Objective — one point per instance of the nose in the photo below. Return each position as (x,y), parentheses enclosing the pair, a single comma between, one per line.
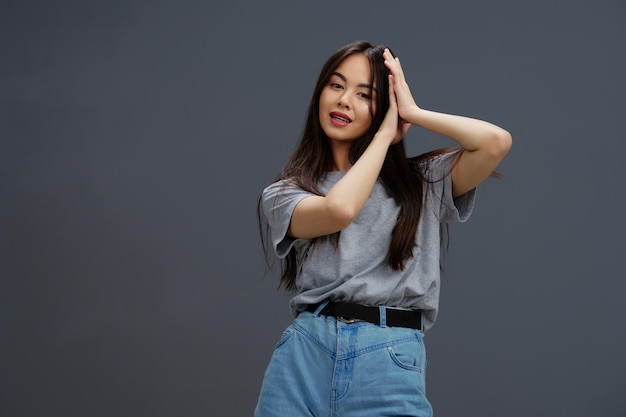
(344,101)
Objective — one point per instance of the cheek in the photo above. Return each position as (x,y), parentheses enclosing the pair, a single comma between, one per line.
(325,100)
(366,113)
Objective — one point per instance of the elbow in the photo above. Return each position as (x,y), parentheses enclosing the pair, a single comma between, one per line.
(500,144)
(341,215)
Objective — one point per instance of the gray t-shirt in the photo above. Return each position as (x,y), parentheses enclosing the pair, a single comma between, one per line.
(357,270)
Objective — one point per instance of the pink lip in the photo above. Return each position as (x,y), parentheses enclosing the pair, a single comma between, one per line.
(340,119)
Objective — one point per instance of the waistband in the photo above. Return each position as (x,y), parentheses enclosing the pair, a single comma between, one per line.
(382,316)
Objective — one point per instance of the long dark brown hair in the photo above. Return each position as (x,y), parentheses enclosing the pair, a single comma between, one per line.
(312,158)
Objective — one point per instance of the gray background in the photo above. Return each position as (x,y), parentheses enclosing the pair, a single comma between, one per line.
(137,135)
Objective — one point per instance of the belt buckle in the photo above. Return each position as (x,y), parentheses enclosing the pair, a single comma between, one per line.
(345,320)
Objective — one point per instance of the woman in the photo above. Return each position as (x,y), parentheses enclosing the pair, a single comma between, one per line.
(358,226)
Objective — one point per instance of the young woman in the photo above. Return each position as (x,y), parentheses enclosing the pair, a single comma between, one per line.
(358,226)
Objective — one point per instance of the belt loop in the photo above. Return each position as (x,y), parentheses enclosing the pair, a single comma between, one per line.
(383,316)
(422,320)
(320,307)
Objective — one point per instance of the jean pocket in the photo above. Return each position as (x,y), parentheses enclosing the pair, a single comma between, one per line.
(289,331)
(408,355)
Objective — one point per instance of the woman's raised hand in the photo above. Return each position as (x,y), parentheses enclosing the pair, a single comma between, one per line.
(484,144)
(405,102)
(392,125)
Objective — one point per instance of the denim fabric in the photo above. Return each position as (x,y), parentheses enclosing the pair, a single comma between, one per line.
(324,367)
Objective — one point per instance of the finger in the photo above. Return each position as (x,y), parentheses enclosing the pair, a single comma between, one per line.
(389,60)
(396,84)
(392,92)
(398,68)
(405,128)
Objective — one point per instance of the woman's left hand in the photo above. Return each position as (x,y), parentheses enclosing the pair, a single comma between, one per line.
(484,144)
(393,126)
(404,98)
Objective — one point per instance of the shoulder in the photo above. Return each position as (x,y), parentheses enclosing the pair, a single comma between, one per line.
(282,194)
(274,187)
(280,186)
(277,189)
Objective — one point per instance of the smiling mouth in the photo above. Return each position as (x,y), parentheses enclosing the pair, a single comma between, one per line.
(341,118)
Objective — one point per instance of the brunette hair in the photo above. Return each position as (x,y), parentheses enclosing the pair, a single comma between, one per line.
(402,177)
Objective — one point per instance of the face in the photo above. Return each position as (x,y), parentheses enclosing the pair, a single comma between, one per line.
(345,101)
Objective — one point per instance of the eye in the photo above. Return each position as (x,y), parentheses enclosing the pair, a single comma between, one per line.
(364,96)
(336,86)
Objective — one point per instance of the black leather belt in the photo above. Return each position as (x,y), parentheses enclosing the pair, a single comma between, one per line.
(348,313)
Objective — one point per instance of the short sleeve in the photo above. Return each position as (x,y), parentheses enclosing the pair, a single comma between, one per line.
(451,210)
(278,201)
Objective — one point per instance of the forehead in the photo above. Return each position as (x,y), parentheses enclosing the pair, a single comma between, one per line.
(356,69)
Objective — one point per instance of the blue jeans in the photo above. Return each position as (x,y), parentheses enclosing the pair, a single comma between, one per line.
(325,367)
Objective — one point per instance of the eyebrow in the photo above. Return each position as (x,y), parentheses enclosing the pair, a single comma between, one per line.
(343,77)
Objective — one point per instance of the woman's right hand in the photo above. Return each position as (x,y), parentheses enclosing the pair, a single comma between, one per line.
(404,99)
(392,126)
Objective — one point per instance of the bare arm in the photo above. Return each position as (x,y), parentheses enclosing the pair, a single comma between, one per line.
(484,144)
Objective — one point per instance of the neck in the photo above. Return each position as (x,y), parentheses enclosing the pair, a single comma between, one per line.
(341,156)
